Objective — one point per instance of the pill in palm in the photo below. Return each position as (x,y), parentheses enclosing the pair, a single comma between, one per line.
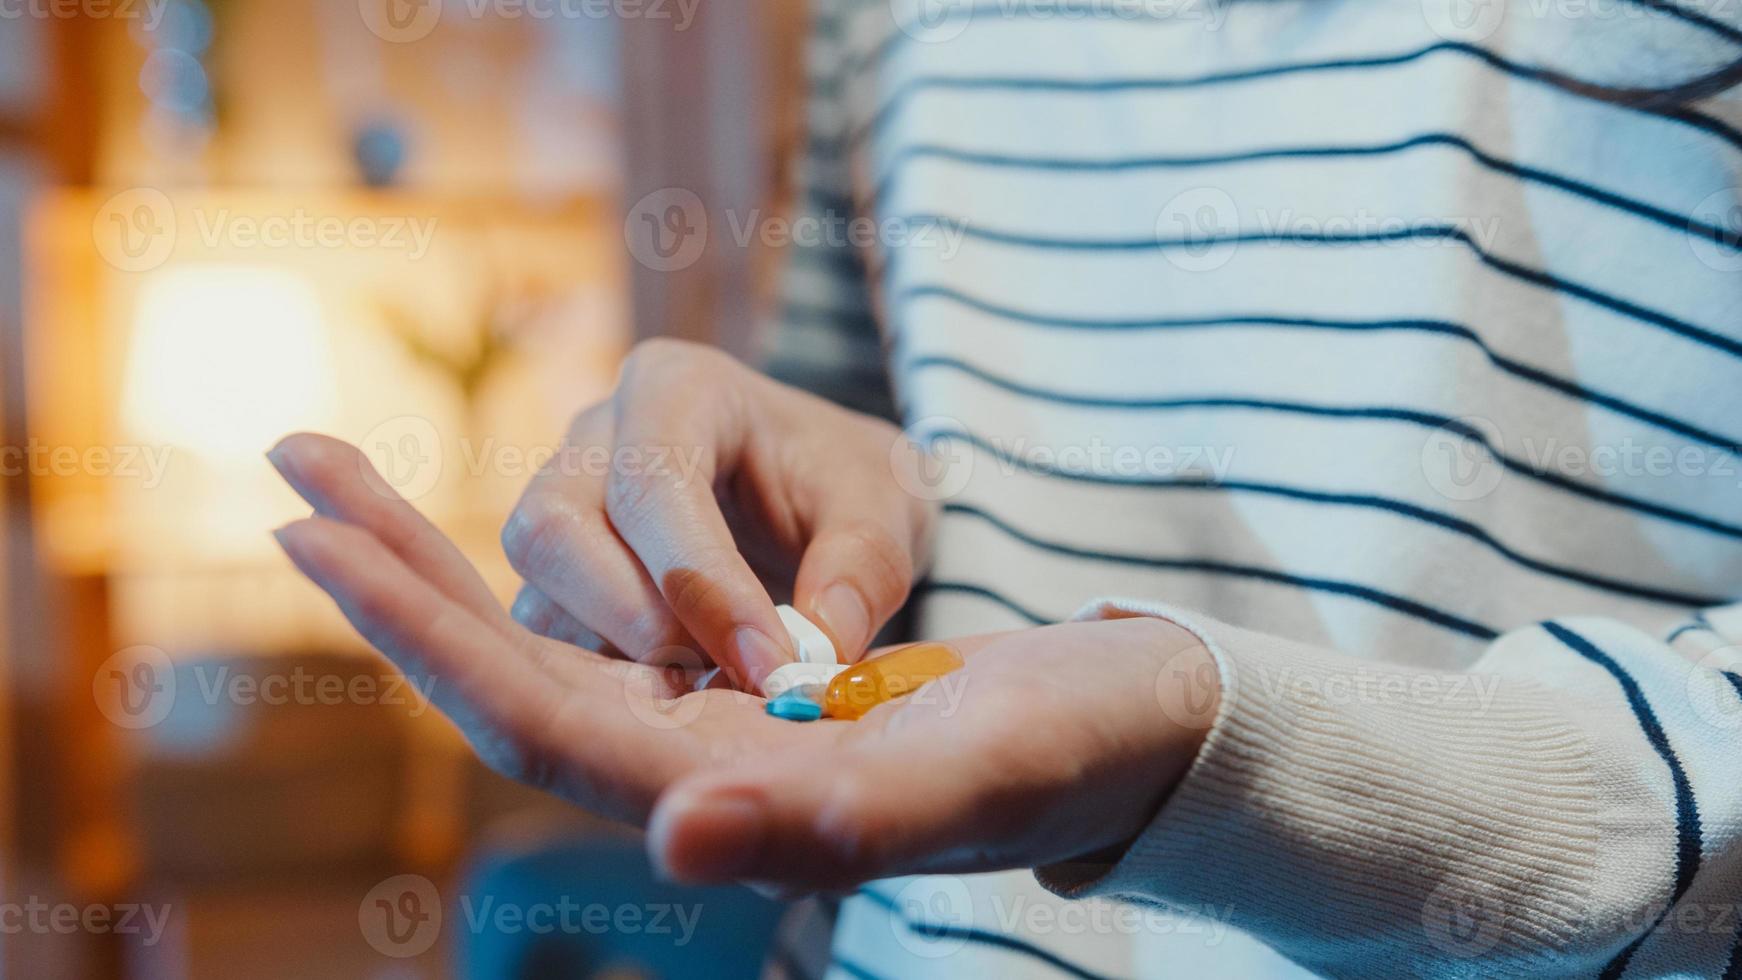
(794,706)
(808,678)
(812,645)
(869,683)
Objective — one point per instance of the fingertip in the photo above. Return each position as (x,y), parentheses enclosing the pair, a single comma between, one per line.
(301,459)
(846,616)
(757,654)
(304,543)
(281,450)
(289,452)
(703,835)
(291,536)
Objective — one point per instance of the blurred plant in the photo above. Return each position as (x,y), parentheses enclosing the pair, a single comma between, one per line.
(504,312)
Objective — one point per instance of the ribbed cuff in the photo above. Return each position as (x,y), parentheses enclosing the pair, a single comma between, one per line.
(1349,813)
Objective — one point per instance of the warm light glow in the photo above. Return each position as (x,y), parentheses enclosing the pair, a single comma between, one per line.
(225,360)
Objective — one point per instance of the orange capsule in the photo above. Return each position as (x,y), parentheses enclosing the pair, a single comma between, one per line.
(869,683)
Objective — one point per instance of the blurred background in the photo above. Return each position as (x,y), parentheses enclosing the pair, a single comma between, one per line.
(408,223)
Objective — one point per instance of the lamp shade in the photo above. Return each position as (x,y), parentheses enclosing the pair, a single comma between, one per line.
(225,359)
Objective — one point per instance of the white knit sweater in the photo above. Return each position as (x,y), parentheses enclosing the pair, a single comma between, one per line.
(1408,379)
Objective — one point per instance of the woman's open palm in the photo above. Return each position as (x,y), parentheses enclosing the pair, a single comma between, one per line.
(1024,756)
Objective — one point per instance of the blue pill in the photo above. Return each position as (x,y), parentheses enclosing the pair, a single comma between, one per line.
(794,706)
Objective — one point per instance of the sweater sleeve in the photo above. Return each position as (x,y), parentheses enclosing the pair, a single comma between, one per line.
(825,337)
(1569,806)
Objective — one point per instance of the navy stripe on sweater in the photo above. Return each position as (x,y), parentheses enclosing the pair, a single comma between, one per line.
(1579,188)
(853,969)
(973,934)
(938,586)
(1687,813)
(1409,416)
(1512,366)
(1402,508)
(1697,18)
(855,136)
(1447,233)
(1355,590)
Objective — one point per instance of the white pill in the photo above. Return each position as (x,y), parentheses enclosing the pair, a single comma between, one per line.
(812,644)
(802,676)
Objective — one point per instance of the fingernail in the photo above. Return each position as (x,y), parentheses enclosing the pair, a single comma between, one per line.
(758,653)
(844,615)
(716,837)
(276,456)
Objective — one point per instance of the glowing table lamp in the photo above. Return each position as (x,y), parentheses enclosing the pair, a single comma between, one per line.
(223,361)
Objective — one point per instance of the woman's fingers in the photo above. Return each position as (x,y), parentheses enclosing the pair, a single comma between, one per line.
(600,736)
(858,568)
(828,821)
(487,684)
(680,417)
(932,782)
(535,611)
(560,541)
(338,481)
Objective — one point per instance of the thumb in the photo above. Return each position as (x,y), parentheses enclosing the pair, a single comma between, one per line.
(826,823)
(856,573)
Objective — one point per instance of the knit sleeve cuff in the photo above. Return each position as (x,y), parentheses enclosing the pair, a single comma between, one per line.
(1346,811)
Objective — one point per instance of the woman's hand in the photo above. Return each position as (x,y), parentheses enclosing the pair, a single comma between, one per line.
(1049,744)
(722,487)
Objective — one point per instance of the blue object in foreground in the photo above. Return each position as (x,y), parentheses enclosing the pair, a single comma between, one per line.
(592,907)
(794,706)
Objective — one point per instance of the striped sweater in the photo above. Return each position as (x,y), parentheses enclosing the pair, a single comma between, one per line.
(1407,375)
